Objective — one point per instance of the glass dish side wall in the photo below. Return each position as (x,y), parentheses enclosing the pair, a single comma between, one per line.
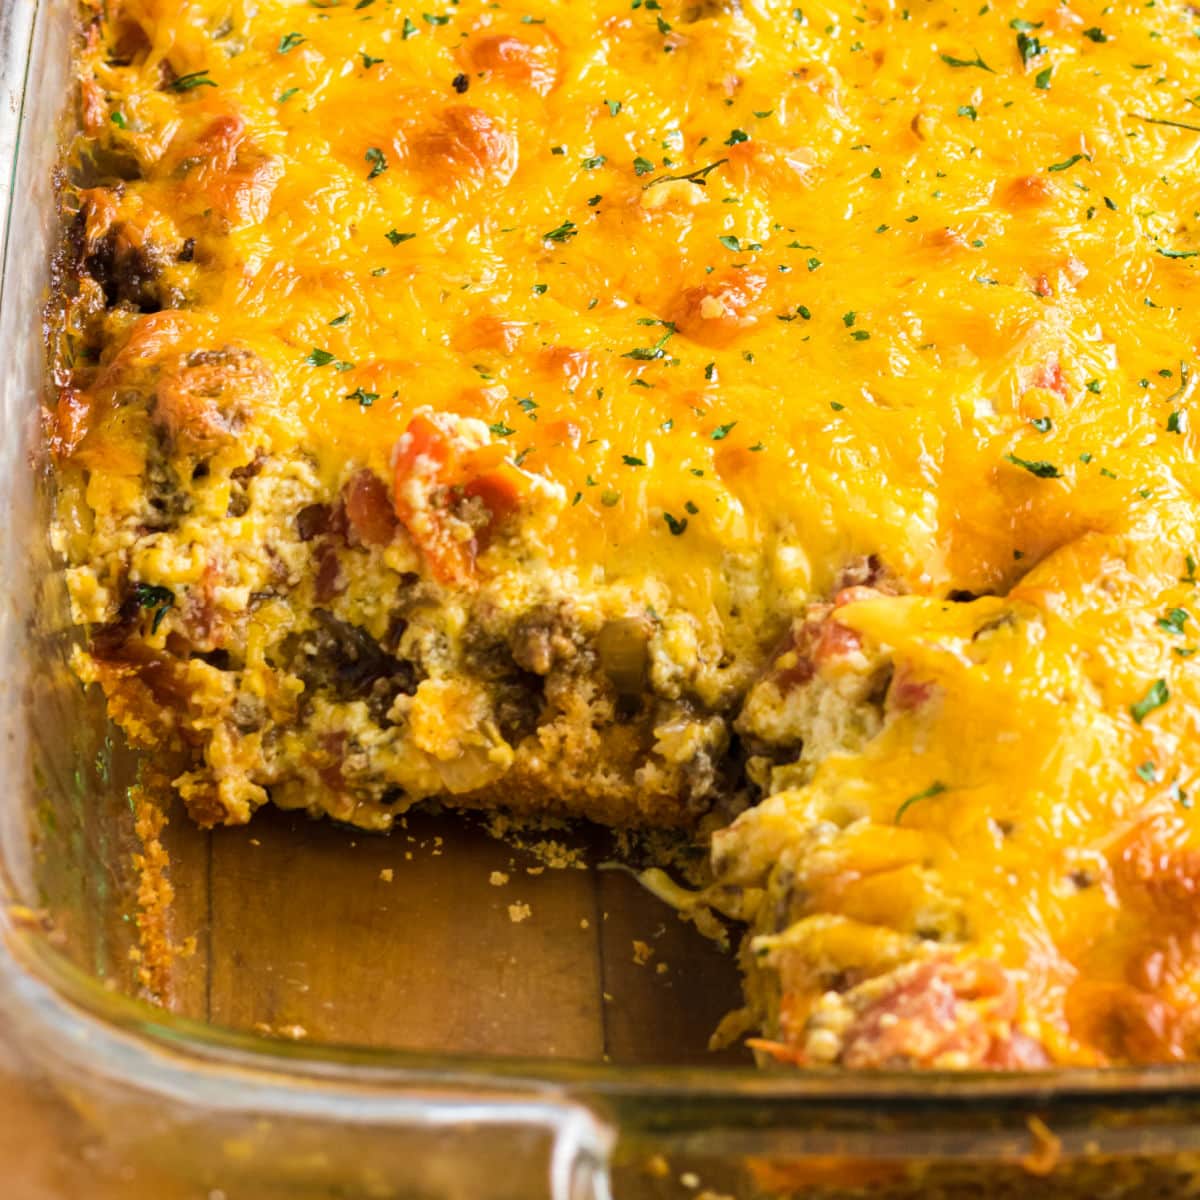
(169,1106)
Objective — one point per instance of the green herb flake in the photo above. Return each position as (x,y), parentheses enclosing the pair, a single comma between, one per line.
(1174,621)
(1068,163)
(378,162)
(674,524)
(977,61)
(365,399)
(150,595)
(1157,694)
(1029,48)
(1095,34)
(1042,79)
(318,358)
(934,789)
(564,233)
(736,136)
(642,166)
(118,119)
(396,237)
(1176,253)
(340,320)
(1147,771)
(722,432)
(289,42)
(190,81)
(1043,470)
(501,430)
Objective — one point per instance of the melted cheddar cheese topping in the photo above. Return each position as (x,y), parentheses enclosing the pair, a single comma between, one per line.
(833,365)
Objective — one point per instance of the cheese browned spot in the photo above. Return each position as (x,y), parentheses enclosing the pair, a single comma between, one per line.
(714,415)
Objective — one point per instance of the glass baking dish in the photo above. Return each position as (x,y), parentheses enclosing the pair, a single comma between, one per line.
(293,1009)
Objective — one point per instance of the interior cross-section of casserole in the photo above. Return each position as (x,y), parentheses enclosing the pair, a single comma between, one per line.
(768,420)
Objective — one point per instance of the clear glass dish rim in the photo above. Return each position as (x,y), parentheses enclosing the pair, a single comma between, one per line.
(80,1003)
(84,1000)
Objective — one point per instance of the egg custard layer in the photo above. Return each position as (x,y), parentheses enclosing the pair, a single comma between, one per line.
(777,421)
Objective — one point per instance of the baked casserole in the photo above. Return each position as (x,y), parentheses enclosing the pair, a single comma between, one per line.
(769,421)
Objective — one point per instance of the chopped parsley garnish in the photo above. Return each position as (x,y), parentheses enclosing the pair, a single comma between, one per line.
(642,166)
(1094,34)
(118,119)
(286,95)
(378,162)
(290,41)
(1029,48)
(396,237)
(436,18)
(1147,771)
(614,107)
(1042,79)
(564,233)
(650,353)
(1043,470)
(501,430)
(190,81)
(408,30)
(1163,121)
(1068,163)
(340,320)
(150,595)
(1177,421)
(366,399)
(1174,621)
(934,789)
(736,136)
(730,242)
(968,110)
(367,61)
(977,61)
(318,358)
(722,431)
(1041,424)
(1156,696)
(1176,253)
(674,524)
(590,164)
(699,176)
(632,460)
